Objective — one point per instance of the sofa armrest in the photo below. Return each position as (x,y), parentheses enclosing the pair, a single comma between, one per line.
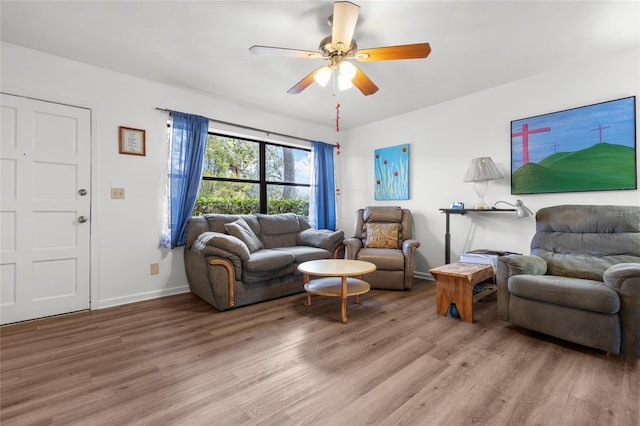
(216,245)
(624,278)
(514,265)
(408,251)
(230,278)
(522,264)
(351,248)
(321,238)
(222,245)
(409,246)
(621,275)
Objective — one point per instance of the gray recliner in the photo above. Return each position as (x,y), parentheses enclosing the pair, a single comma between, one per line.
(581,282)
(384,236)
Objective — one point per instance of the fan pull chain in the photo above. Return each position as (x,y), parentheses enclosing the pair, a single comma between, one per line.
(338,126)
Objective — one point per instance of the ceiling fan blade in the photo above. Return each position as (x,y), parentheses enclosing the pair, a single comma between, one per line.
(364,83)
(345,16)
(405,51)
(281,51)
(304,83)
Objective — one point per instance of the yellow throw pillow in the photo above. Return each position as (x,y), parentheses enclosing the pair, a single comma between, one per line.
(382,235)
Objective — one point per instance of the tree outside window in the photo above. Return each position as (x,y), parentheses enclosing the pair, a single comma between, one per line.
(242,176)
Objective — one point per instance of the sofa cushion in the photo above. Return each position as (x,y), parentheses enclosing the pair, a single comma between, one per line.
(382,214)
(584,241)
(580,265)
(572,292)
(382,235)
(268,259)
(217,221)
(384,259)
(279,230)
(241,230)
(273,224)
(322,238)
(305,254)
(268,279)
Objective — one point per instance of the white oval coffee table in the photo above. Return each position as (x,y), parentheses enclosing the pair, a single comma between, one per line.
(337,279)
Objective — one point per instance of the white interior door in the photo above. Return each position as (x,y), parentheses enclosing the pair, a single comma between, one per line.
(45,200)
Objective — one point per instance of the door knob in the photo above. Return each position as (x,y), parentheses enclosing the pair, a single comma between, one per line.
(82,219)
(82,192)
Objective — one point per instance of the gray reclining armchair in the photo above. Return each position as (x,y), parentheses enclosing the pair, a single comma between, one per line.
(581,282)
(384,236)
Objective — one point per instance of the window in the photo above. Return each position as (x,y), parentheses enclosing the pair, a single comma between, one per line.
(243,176)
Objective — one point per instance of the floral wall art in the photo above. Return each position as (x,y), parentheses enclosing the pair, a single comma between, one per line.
(391,169)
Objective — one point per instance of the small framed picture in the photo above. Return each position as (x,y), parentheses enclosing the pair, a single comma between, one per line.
(458,205)
(132,141)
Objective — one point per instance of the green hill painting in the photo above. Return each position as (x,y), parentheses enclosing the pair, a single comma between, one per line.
(591,148)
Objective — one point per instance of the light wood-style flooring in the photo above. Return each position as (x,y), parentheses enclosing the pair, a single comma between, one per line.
(178,361)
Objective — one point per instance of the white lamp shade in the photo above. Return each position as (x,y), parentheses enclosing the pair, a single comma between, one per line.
(322,76)
(346,72)
(482,169)
(347,69)
(344,83)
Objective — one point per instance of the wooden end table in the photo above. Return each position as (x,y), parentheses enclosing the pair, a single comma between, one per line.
(454,283)
(336,281)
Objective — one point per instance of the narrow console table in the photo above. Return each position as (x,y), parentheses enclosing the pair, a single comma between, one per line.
(447,235)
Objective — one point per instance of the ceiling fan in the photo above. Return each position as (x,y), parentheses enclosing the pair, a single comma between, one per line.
(339,48)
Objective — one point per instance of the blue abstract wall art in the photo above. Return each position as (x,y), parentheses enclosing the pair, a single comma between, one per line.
(391,169)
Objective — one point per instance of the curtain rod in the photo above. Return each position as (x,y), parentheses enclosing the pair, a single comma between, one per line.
(242,126)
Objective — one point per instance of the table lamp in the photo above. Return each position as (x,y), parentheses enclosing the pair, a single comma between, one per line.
(480,172)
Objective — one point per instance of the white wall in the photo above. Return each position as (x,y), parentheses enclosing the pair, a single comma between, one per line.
(444,138)
(125,233)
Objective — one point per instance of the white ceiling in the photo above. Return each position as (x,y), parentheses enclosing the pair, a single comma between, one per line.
(204,45)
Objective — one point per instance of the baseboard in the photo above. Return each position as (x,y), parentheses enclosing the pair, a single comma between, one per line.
(423,275)
(139,297)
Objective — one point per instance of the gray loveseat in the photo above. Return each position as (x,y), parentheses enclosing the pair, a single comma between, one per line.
(236,260)
(581,282)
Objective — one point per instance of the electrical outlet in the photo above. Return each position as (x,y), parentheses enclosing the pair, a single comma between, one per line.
(117,193)
(154,268)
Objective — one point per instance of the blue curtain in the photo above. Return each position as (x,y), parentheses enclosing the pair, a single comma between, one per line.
(322,211)
(188,142)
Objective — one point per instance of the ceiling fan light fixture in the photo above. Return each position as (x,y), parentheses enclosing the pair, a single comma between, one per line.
(344,83)
(339,48)
(322,76)
(347,70)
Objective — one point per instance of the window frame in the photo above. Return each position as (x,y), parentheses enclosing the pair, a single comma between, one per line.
(262,163)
